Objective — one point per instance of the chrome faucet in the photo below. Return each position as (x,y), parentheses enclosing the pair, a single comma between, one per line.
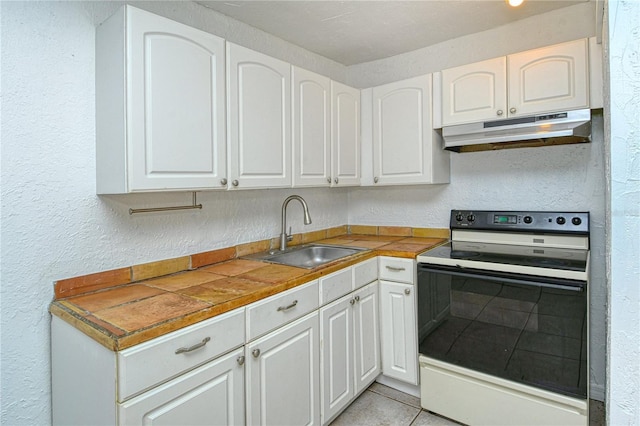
(307,219)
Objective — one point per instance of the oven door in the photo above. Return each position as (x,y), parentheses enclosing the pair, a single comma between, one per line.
(531,330)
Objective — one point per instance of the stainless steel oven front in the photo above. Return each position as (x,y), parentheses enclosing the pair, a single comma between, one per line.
(503,330)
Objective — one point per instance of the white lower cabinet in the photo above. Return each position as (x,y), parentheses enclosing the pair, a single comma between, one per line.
(398,331)
(284,360)
(367,336)
(209,395)
(192,376)
(350,357)
(283,370)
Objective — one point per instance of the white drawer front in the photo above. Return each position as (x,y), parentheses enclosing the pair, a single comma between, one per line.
(365,272)
(271,313)
(396,269)
(335,285)
(156,361)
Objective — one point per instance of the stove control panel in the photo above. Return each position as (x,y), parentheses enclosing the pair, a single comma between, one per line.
(521,221)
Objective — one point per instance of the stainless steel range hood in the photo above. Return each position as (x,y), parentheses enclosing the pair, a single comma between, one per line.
(541,130)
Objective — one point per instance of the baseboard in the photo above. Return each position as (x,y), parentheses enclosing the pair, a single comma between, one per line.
(398,385)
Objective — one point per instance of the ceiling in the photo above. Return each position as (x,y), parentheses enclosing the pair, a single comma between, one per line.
(352,32)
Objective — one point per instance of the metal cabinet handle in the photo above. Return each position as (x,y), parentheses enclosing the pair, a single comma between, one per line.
(395,269)
(352,301)
(286,308)
(407,291)
(240,360)
(357,298)
(194,347)
(336,181)
(255,353)
(512,110)
(235,182)
(223,181)
(499,112)
(375,179)
(329,179)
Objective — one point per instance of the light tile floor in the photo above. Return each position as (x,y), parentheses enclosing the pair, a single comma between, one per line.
(383,406)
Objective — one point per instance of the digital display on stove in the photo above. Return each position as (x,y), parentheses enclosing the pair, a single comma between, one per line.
(505,219)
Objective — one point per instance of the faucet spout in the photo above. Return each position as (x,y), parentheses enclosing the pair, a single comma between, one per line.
(307,219)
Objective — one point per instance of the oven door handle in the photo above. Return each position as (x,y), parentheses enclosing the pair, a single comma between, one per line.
(555,283)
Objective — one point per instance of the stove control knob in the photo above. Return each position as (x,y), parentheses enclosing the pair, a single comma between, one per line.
(471,218)
(459,217)
(560,220)
(527,219)
(576,221)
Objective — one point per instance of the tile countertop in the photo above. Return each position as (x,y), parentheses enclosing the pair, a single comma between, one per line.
(124,315)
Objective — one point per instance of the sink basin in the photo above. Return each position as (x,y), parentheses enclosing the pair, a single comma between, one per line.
(310,256)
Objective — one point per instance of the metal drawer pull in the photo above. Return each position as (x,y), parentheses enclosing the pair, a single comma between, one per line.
(407,291)
(352,301)
(395,269)
(286,308)
(194,347)
(241,360)
(357,298)
(255,353)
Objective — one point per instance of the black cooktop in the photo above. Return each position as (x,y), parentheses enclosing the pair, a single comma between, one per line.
(563,259)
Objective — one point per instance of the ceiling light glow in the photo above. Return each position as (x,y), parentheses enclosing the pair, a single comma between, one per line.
(515,3)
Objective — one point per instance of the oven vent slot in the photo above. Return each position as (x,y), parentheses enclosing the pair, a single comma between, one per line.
(538,240)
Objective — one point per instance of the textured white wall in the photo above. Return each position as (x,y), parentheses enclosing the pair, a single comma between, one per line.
(623,390)
(570,177)
(53,224)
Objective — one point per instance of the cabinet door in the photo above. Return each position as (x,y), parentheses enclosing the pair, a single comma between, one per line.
(160,105)
(283,372)
(549,79)
(366,336)
(336,330)
(403,137)
(259,119)
(311,128)
(209,395)
(474,92)
(398,331)
(345,135)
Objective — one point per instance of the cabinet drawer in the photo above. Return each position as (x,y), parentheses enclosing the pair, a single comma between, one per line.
(163,358)
(396,269)
(365,272)
(335,285)
(271,313)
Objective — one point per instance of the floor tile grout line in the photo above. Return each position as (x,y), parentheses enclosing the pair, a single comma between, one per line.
(394,399)
(415,418)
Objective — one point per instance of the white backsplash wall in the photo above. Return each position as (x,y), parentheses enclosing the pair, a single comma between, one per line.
(53,224)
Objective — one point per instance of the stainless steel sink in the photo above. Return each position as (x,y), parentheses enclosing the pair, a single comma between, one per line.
(308,256)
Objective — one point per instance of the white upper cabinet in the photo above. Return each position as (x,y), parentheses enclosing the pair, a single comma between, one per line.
(406,150)
(259,119)
(311,128)
(160,105)
(474,92)
(549,79)
(345,135)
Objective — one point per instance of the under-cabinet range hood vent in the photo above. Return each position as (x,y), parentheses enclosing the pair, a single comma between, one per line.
(540,130)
